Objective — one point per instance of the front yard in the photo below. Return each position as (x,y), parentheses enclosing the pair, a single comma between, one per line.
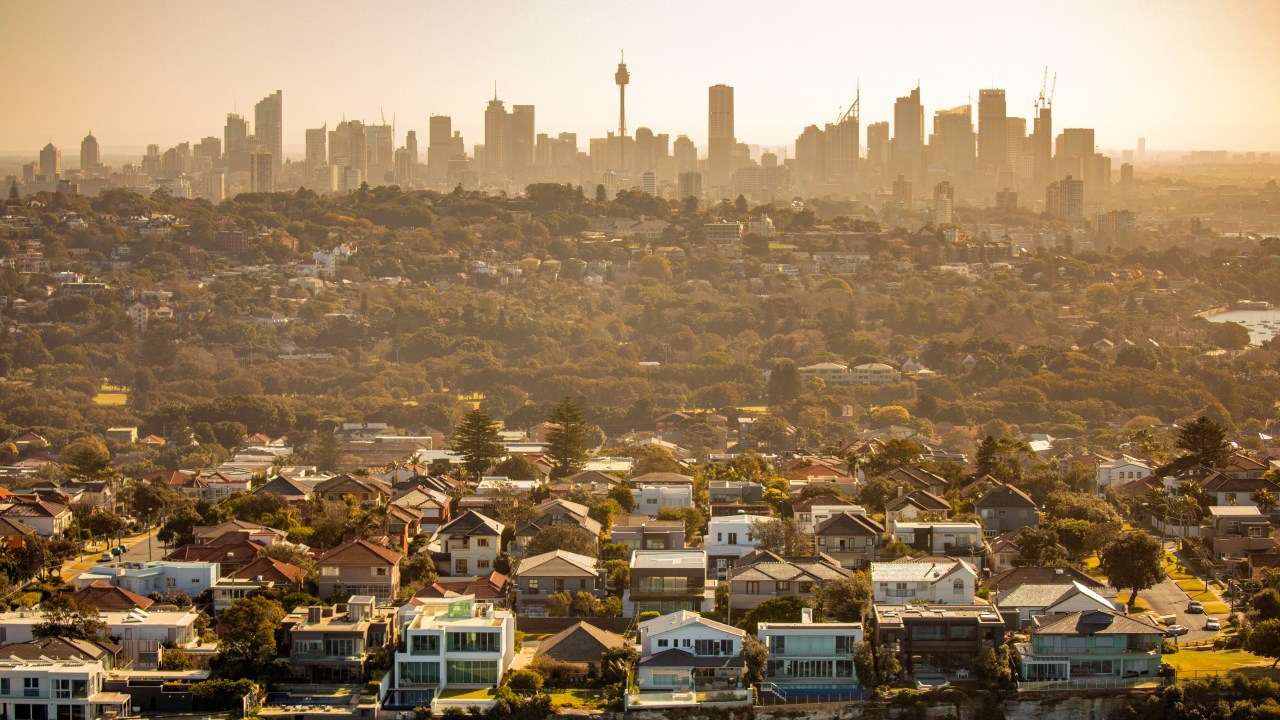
(1192,663)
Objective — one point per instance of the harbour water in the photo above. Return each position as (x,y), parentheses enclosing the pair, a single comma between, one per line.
(1261,324)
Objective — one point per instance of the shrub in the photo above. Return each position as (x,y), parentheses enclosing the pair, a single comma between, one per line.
(1168,646)
(525,679)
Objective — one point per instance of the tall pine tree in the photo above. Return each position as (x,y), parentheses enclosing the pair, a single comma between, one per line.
(567,441)
(1206,441)
(476,439)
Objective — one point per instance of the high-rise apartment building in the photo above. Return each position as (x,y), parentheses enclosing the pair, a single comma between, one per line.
(380,143)
(317,147)
(50,162)
(689,185)
(902,192)
(878,144)
(1065,198)
(720,137)
(90,156)
(1042,144)
(440,148)
(268,126)
(952,142)
(209,147)
(841,146)
(944,201)
(685,154)
(1015,133)
(811,157)
(497,137)
(993,137)
(261,171)
(235,136)
(908,134)
(520,140)
(348,151)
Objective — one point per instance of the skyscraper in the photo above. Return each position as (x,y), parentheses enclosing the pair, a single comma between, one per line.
(235,136)
(380,143)
(347,150)
(841,146)
(261,172)
(952,142)
(1042,143)
(811,157)
(317,146)
(622,77)
(878,144)
(720,137)
(520,140)
(908,134)
(268,127)
(439,147)
(497,133)
(90,156)
(993,138)
(50,162)
(685,155)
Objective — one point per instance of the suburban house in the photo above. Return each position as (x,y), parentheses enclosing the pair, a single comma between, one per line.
(292,490)
(229,556)
(1005,582)
(667,581)
(70,689)
(366,490)
(1121,470)
(938,639)
(915,505)
(15,532)
(360,567)
(50,519)
(592,482)
(730,537)
(810,512)
(1225,489)
(332,644)
(453,643)
(558,571)
(683,651)
(1006,508)
(954,539)
(640,532)
(431,506)
(468,544)
(853,540)
(735,491)
(1090,644)
(942,581)
(764,575)
(105,596)
(810,654)
(653,491)
(156,576)
(1243,466)
(1028,604)
(237,531)
(912,478)
(143,634)
(582,645)
(492,588)
(1005,551)
(269,569)
(555,511)
(1235,531)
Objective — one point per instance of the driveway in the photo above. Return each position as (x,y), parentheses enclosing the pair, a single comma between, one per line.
(1169,599)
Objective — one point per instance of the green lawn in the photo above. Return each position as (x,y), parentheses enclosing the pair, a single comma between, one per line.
(578,698)
(113,398)
(1140,606)
(481,694)
(1199,661)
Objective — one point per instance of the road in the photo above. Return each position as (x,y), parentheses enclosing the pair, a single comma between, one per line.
(1169,599)
(137,548)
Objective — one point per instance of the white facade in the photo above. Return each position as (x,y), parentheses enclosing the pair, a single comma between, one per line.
(450,643)
(58,690)
(899,583)
(1121,471)
(818,513)
(157,576)
(811,654)
(690,633)
(947,536)
(140,632)
(732,535)
(649,499)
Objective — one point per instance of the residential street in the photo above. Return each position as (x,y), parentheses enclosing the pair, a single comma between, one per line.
(137,550)
(1167,598)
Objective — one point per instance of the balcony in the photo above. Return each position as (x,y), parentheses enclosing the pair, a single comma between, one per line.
(714,698)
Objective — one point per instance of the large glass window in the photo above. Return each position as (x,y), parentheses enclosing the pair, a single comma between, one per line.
(472,672)
(70,712)
(420,673)
(26,711)
(473,642)
(424,644)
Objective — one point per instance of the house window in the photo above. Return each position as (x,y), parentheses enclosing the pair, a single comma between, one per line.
(582,583)
(482,564)
(61,688)
(460,567)
(806,587)
(784,586)
(379,572)
(822,542)
(733,538)
(31,686)
(25,711)
(533,584)
(662,642)
(171,583)
(958,585)
(753,587)
(4,686)
(482,542)
(329,571)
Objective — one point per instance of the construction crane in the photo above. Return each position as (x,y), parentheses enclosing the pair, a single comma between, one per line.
(854,111)
(1046,101)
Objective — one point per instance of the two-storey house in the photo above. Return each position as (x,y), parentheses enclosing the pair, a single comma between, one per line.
(552,512)
(914,506)
(666,581)
(468,544)
(70,689)
(558,571)
(1032,604)
(912,478)
(653,491)
(1092,644)
(953,539)
(367,490)
(811,511)
(683,651)
(359,567)
(903,581)
(332,644)
(764,575)
(730,537)
(938,640)
(1006,508)
(853,540)
(640,532)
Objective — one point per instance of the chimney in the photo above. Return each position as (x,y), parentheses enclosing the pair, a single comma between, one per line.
(806,616)
(899,491)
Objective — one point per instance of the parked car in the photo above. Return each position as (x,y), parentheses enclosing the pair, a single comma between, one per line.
(116,551)
(106,557)
(1195,607)
(1212,624)
(1176,630)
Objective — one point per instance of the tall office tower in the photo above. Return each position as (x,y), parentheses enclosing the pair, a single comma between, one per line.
(720,137)
(347,150)
(1042,143)
(993,138)
(411,144)
(1007,200)
(685,155)
(520,140)
(1072,149)
(841,146)
(644,153)
(689,185)
(151,161)
(380,142)
(439,147)
(1015,137)
(811,157)
(317,146)
(622,77)
(261,172)
(944,202)
(209,147)
(90,156)
(50,162)
(268,127)
(908,134)
(404,168)
(1142,149)
(235,136)
(878,144)
(649,182)
(1065,198)
(1126,175)
(952,142)
(902,195)
(497,133)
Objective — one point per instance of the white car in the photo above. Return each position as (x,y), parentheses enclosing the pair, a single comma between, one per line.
(1212,624)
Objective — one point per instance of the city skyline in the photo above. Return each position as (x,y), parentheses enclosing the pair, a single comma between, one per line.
(130,101)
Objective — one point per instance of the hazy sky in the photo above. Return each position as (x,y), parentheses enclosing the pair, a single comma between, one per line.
(1187,75)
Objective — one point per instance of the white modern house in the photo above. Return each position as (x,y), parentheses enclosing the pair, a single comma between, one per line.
(811,514)
(730,537)
(1122,470)
(808,654)
(140,632)
(156,576)
(450,643)
(944,582)
(686,659)
(47,689)
(650,498)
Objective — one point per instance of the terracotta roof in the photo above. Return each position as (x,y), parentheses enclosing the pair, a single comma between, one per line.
(61,648)
(494,586)
(108,597)
(359,552)
(232,553)
(271,569)
(10,527)
(35,509)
